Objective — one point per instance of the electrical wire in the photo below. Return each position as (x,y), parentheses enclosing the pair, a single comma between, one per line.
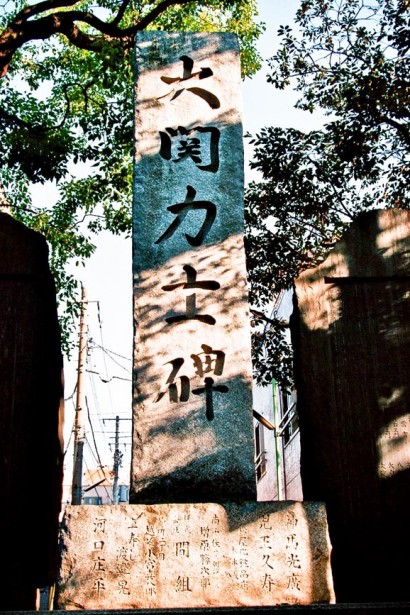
(95,397)
(105,363)
(72,394)
(102,469)
(110,352)
(69,439)
(95,444)
(105,381)
(93,435)
(115,361)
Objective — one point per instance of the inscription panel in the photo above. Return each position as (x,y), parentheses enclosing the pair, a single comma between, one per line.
(192,555)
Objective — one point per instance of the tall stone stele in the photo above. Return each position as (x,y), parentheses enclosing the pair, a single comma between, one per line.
(193,437)
(194,535)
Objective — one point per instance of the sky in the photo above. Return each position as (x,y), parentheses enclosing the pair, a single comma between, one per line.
(107,278)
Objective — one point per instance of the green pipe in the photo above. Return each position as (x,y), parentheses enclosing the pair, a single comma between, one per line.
(277,451)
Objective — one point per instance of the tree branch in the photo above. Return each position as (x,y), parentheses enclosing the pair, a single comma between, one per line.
(121,11)
(272,321)
(13,119)
(41,7)
(156,12)
(402,129)
(22,30)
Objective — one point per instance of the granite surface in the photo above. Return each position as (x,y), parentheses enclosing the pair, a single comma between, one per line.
(194,555)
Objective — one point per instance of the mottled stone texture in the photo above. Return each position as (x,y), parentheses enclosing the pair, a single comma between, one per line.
(194,555)
(193,437)
(351,330)
(30,416)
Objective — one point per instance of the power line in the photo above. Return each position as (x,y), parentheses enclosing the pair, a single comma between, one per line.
(105,381)
(93,435)
(105,478)
(96,403)
(110,352)
(96,444)
(72,394)
(69,440)
(102,343)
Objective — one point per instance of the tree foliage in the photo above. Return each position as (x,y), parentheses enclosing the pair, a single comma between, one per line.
(350,60)
(66,111)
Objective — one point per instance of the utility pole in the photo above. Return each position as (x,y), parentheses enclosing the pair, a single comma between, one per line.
(117,459)
(79,430)
(117,462)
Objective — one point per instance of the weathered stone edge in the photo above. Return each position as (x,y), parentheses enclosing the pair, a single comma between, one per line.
(362,608)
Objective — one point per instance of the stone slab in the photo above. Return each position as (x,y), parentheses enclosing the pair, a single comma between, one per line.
(31,414)
(360,608)
(194,555)
(192,401)
(351,337)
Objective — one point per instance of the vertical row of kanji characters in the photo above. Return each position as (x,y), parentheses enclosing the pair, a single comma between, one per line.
(200,145)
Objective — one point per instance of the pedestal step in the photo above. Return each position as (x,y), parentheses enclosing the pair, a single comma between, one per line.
(194,555)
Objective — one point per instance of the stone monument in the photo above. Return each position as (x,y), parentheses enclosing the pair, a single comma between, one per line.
(192,404)
(351,332)
(31,416)
(193,536)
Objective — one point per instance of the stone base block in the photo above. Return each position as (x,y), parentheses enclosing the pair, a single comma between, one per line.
(194,555)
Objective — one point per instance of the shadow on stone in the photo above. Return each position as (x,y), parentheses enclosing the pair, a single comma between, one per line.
(351,335)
